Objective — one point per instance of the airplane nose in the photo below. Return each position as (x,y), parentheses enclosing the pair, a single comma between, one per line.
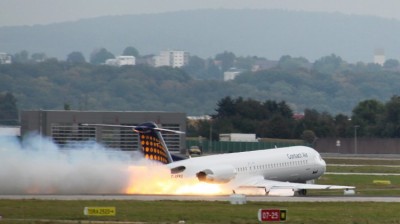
(323,165)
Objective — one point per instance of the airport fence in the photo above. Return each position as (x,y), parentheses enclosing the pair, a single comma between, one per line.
(323,145)
(361,145)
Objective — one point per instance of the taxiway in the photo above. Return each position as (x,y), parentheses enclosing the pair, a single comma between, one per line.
(203,198)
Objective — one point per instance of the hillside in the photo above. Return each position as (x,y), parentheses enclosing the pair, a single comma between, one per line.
(51,84)
(265,33)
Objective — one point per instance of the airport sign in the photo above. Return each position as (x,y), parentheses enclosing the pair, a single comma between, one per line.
(99,211)
(271,215)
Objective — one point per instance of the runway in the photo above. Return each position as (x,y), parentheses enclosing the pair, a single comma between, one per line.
(202,198)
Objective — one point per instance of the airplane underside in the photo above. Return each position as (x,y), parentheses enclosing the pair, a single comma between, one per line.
(270,192)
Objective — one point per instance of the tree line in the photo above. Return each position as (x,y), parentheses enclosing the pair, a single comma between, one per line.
(98,56)
(8,109)
(328,84)
(272,119)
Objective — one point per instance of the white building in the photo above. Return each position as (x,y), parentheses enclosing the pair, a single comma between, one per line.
(231,74)
(121,60)
(5,58)
(10,131)
(174,59)
(237,137)
(379,56)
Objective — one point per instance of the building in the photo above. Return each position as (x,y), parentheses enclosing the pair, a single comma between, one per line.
(237,137)
(121,60)
(232,73)
(5,58)
(174,59)
(379,56)
(65,129)
(10,131)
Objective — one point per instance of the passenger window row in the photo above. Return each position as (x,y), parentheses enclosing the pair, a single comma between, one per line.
(272,166)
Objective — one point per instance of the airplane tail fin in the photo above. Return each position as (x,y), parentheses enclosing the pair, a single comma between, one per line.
(152,143)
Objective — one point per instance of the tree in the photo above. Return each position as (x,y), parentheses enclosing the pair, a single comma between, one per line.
(67,106)
(130,51)
(291,64)
(212,71)
(268,119)
(8,109)
(391,64)
(227,60)
(21,57)
(342,125)
(196,67)
(374,67)
(279,127)
(308,136)
(100,56)
(322,124)
(76,57)
(329,64)
(393,109)
(226,108)
(204,127)
(367,114)
(38,57)
(247,63)
(392,117)
(326,125)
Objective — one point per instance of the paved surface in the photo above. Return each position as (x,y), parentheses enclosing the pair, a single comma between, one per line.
(204,198)
(227,197)
(361,156)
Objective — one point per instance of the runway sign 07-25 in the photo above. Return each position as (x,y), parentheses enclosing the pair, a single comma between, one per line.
(271,215)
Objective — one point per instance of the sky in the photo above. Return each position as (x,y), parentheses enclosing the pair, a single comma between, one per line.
(33,12)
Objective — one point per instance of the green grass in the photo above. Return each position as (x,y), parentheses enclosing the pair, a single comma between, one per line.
(31,211)
(363,169)
(365,185)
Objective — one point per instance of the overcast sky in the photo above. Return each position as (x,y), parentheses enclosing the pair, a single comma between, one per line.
(30,12)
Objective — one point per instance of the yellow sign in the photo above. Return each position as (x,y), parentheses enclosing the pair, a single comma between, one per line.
(100,211)
(386,182)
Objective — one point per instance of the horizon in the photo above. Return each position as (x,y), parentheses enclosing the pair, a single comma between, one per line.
(44,12)
(337,29)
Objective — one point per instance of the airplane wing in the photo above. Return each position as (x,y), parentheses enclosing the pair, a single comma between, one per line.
(270,185)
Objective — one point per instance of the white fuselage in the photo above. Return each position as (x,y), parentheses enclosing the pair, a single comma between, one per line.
(294,164)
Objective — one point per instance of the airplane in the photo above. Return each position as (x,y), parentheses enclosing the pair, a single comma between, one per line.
(284,171)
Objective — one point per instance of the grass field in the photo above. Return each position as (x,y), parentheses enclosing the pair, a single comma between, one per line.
(51,211)
(364,183)
(32,211)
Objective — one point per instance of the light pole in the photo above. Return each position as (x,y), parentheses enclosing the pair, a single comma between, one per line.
(355,138)
(210,139)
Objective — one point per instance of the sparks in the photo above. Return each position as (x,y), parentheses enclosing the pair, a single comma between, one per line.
(157,180)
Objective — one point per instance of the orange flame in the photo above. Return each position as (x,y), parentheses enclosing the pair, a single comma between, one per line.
(156,179)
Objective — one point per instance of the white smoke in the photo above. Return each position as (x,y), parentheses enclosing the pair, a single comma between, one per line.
(38,166)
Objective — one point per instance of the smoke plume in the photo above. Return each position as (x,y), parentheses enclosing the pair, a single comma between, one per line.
(38,166)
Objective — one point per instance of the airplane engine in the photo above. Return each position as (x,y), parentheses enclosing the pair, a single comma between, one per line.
(222,174)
